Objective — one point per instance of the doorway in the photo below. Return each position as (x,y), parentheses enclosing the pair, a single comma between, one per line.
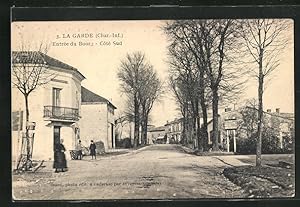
(231,140)
(56,136)
(112,135)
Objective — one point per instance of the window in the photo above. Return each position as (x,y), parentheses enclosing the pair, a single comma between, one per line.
(56,96)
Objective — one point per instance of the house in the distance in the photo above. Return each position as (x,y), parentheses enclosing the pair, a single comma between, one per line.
(174,130)
(97,121)
(54,106)
(283,124)
(156,135)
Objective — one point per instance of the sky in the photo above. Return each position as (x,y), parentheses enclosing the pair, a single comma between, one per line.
(101,45)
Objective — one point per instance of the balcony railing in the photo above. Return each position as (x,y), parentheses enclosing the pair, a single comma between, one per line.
(61,113)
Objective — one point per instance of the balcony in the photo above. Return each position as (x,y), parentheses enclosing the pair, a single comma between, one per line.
(61,113)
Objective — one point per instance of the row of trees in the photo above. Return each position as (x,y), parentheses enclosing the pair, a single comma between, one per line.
(142,86)
(208,60)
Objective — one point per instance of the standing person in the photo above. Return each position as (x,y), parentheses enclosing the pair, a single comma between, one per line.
(79,150)
(60,161)
(93,149)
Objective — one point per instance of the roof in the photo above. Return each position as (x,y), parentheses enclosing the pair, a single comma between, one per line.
(89,96)
(160,128)
(41,58)
(177,120)
(289,116)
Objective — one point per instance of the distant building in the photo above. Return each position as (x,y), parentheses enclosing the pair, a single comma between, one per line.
(282,123)
(97,121)
(156,133)
(229,121)
(174,130)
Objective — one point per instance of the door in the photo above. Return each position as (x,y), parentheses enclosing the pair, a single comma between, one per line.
(231,140)
(56,136)
(112,136)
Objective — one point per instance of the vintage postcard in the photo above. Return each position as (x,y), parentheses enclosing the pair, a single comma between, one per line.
(152,109)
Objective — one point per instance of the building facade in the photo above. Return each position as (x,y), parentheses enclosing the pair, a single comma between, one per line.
(174,130)
(283,124)
(230,122)
(54,108)
(97,121)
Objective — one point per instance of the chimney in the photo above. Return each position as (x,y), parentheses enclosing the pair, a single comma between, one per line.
(278,110)
(269,110)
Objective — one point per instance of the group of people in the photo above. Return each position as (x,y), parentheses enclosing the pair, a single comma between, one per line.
(60,162)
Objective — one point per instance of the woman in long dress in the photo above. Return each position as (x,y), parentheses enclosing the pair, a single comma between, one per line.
(60,161)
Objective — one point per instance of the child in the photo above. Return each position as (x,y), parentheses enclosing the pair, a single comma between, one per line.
(93,149)
(79,150)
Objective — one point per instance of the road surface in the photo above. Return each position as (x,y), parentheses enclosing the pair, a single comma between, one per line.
(154,172)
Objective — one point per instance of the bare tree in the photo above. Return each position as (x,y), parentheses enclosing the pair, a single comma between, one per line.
(149,93)
(183,81)
(182,102)
(212,45)
(264,40)
(29,72)
(218,48)
(135,73)
(184,57)
(121,120)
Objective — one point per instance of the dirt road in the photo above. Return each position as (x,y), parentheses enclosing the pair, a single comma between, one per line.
(155,172)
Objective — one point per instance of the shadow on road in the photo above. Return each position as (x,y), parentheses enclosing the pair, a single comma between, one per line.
(166,148)
(200,170)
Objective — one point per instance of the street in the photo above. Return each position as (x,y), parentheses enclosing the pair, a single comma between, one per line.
(154,172)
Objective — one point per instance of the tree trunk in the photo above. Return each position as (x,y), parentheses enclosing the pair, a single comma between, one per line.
(194,135)
(194,122)
(204,133)
(144,123)
(260,111)
(136,123)
(185,126)
(145,130)
(142,130)
(28,157)
(191,130)
(199,140)
(142,134)
(26,107)
(204,129)
(215,134)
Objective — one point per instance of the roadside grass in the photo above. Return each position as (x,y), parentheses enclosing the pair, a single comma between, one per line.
(276,178)
(267,158)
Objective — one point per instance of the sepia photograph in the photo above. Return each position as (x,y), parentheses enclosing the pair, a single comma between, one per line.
(152,109)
